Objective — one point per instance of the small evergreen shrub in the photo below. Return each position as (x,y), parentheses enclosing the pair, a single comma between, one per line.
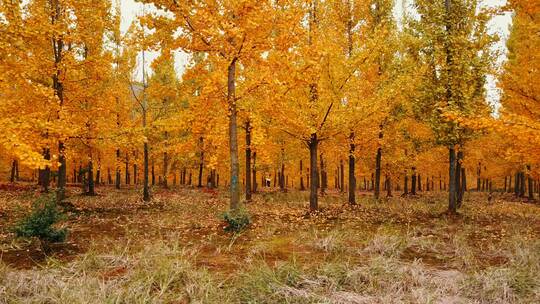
(40,222)
(237,220)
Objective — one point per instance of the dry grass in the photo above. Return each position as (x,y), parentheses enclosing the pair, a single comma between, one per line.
(175,251)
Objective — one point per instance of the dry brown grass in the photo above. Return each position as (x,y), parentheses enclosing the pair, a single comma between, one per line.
(174,250)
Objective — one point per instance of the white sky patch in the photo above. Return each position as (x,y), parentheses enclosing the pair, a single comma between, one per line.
(499,25)
(130,11)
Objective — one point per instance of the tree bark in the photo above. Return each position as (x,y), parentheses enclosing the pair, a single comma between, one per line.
(530,183)
(352,178)
(248,161)
(378,164)
(165,169)
(458,177)
(233,138)
(341,176)
(452,206)
(323,182)
(413,181)
(302,187)
(117,169)
(201,163)
(313,198)
(91,182)
(253,173)
(46,173)
(13,171)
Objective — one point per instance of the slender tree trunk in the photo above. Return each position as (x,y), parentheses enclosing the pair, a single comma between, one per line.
(13,171)
(248,161)
(378,164)
(463,187)
(46,173)
(109,176)
(165,170)
(389,186)
(253,173)
(406,183)
(127,170)
(452,206)
(352,177)
(153,172)
(201,164)
(282,177)
(458,177)
(522,185)
(91,182)
(313,198)
(302,187)
(146,188)
(341,176)
(413,181)
(478,173)
(530,183)
(323,185)
(117,169)
(233,138)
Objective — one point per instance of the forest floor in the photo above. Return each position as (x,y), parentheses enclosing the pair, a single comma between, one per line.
(174,250)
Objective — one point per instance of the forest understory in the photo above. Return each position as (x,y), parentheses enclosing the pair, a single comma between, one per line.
(174,249)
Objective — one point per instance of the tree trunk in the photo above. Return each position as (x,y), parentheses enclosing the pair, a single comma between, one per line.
(117,169)
(323,184)
(13,170)
(153,172)
(91,182)
(46,173)
(406,183)
(98,173)
(313,198)
(253,173)
(458,177)
(201,164)
(233,138)
(478,173)
(127,170)
(378,165)
(530,183)
(462,188)
(62,173)
(389,186)
(165,170)
(341,176)
(302,187)
(135,174)
(146,188)
(352,178)
(413,181)
(248,161)
(282,177)
(452,206)
(522,185)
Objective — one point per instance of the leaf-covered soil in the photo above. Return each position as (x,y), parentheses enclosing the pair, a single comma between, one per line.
(413,232)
